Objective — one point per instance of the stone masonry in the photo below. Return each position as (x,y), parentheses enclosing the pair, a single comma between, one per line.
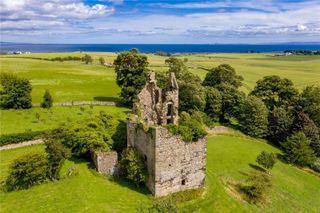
(173,164)
(105,162)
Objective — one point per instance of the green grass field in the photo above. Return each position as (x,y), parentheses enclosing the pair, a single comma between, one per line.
(34,119)
(293,190)
(76,81)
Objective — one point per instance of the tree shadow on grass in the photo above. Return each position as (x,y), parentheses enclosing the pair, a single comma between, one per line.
(120,180)
(258,168)
(123,182)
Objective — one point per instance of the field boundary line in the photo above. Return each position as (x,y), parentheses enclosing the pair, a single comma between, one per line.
(81,103)
(22,144)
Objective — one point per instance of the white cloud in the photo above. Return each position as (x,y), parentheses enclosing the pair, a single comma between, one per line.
(78,22)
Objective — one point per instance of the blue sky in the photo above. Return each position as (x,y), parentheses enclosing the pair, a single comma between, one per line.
(149,21)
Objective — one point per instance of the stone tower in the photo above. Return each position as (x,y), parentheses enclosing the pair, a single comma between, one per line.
(157,106)
(173,164)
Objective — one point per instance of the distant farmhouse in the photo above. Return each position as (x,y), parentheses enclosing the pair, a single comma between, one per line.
(173,165)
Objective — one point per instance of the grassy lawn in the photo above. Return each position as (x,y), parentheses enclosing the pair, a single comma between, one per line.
(76,81)
(293,190)
(67,81)
(18,121)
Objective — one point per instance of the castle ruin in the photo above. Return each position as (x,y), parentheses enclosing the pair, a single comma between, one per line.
(173,165)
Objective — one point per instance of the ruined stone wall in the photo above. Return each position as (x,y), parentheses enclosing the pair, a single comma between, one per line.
(144,142)
(173,165)
(179,165)
(105,162)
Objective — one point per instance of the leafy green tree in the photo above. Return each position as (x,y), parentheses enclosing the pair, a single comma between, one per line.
(309,103)
(297,150)
(276,92)
(254,117)
(231,101)
(131,70)
(223,74)
(213,103)
(266,159)
(87,59)
(177,66)
(15,93)
(102,61)
(26,171)
(191,96)
(134,166)
(279,125)
(56,154)
(303,123)
(47,100)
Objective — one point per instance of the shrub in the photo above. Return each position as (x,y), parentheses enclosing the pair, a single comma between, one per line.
(101,60)
(26,171)
(56,153)
(87,59)
(267,160)
(94,134)
(15,93)
(47,100)
(297,150)
(184,131)
(134,166)
(160,206)
(19,137)
(316,166)
(189,128)
(256,187)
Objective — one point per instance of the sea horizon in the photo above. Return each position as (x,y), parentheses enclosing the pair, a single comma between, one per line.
(152,48)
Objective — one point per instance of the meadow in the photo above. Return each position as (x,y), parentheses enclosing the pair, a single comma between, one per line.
(228,157)
(37,119)
(76,81)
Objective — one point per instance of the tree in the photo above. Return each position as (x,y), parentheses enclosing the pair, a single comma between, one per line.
(297,150)
(276,92)
(231,102)
(191,96)
(131,70)
(303,123)
(134,166)
(309,103)
(254,117)
(223,74)
(177,66)
(16,92)
(47,100)
(87,59)
(56,154)
(266,159)
(279,125)
(102,61)
(26,171)
(213,103)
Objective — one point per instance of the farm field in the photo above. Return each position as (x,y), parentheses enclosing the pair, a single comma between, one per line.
(35,119)
(76,81)
(228,156)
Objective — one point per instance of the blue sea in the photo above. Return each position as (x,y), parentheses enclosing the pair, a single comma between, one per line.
(145,48)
